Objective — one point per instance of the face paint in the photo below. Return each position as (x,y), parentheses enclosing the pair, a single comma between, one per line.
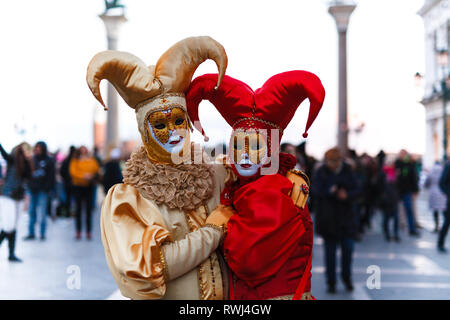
(249,152)
(168,128)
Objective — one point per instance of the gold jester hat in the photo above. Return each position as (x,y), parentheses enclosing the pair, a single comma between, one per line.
(153,90)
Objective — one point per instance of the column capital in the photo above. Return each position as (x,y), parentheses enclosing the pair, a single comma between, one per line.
(341,14)
(112,23)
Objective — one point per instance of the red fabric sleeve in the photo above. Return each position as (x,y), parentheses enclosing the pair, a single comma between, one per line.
(265,230)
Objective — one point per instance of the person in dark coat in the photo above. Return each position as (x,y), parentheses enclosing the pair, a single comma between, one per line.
(13,192)
(407,185)
(388,200)
(335,189)
(112,172)
(370,192)
(444,184)
(67,181)
(41,184)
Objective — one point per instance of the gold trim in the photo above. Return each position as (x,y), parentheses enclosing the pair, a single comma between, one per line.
(213,278)
(286,297)
(163,95)
(219,228)
(164,108)
(260,120)
(164,264)
(300,173)
(200,282)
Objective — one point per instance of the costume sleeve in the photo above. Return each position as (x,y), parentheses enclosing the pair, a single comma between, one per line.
(133,231)
(184,255)
(265,230)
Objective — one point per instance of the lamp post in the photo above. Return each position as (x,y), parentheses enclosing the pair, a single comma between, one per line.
(341,11)
(442,61)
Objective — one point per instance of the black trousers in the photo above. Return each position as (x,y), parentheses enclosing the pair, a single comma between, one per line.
(11,236)
(331,245)
(83,198)
(444,229)
(68,189)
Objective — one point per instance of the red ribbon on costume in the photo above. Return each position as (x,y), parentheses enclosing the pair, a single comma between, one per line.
(303,281)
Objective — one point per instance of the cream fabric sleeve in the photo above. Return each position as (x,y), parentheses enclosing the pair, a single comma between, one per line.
(133,231)
(186,254)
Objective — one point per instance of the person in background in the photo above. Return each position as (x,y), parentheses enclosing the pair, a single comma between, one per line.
(96,155)
(305,162)
(52,200)
(369,192)
(335,189)
(444,184)
(437,200)
(112,172)
(407,184)
(84,170)
(67,182)
(290,148)
(17,172)
(388,198)
(41,184)
(418,166)
(359,173)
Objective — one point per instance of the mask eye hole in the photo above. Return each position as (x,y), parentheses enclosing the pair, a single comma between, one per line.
(237,145)
(159,126)
(179,121)
(255,145)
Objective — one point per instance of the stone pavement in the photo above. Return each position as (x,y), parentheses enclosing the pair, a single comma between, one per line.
(412,269)
(50,268)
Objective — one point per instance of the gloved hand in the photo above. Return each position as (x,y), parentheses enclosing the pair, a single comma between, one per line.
(220,216)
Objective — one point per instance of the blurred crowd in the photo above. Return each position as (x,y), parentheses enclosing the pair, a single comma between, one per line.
(54,185)
(348,190)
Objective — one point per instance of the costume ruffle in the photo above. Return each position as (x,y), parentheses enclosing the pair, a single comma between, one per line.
(183,186)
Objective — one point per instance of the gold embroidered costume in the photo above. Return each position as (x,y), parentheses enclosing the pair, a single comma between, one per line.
(159,237)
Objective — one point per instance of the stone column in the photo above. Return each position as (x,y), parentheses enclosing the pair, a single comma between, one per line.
(341,13)
(112,24)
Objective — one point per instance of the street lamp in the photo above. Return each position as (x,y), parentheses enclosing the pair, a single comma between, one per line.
(341,11)
(442,61)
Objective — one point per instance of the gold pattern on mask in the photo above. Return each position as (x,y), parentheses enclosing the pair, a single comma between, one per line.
(164,121)
(171,117)
(250,142)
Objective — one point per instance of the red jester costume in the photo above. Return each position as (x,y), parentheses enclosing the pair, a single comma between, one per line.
(268,245)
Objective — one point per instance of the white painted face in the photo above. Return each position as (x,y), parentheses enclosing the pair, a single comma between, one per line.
(246,168)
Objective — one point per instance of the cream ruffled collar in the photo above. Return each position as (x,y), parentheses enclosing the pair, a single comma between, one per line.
(183,186)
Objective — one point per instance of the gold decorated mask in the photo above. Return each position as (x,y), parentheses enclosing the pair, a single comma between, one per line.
(248,151)
(167,134)
(163,123)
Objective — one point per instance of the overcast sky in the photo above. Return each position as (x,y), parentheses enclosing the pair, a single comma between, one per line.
(46,46)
